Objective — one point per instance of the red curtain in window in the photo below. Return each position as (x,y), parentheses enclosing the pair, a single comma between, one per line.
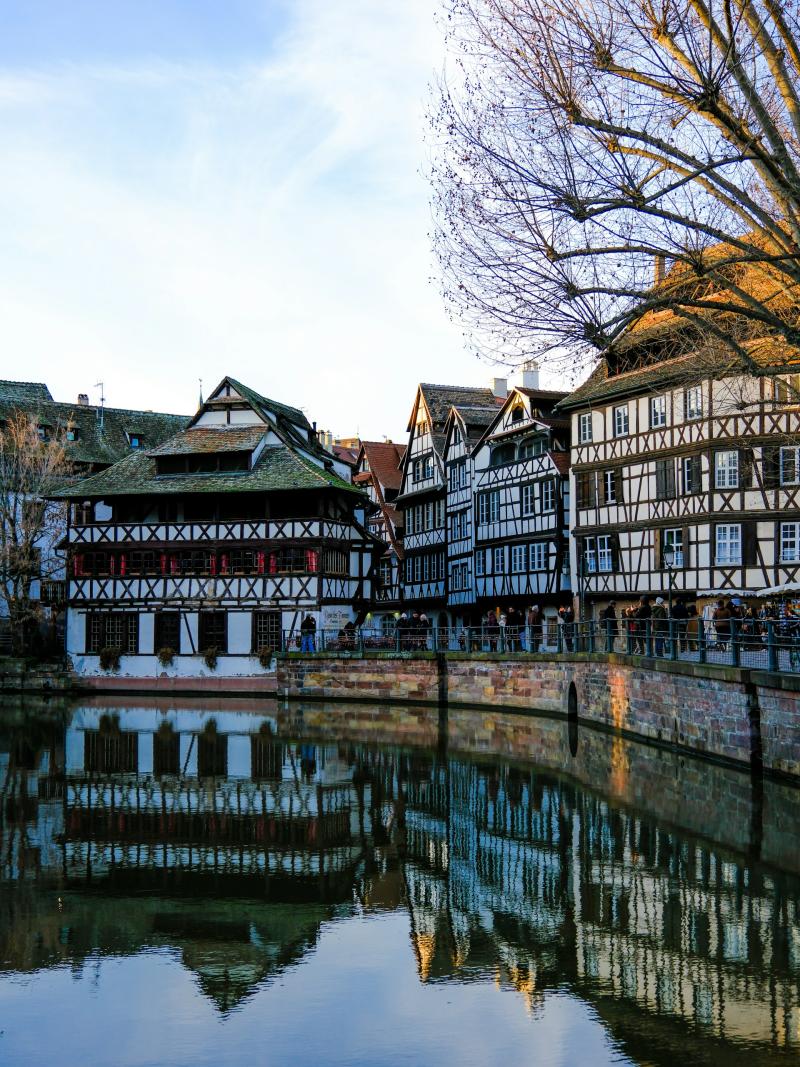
(212,562)
(163,562)
(260,562)
(173,565)
(224,563)
(77,566)
(273,563)
(123,565)
(311,561)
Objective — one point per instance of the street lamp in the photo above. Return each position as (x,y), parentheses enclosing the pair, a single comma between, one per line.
(669,563)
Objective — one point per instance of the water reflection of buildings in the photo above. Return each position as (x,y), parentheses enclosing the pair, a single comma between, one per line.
(222,838)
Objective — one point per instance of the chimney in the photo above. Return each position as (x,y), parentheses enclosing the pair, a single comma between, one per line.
(83,400)
(659,269)
(499,387)
(530,374)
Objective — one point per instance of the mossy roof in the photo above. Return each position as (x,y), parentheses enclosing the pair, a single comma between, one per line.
(278,468)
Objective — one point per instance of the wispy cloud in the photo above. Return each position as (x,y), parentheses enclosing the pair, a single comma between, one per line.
(168,220)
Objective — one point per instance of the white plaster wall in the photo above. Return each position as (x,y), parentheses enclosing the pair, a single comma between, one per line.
(183,666)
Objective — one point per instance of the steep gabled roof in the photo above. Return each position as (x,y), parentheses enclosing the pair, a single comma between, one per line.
(384,458)
(549,421)
(262,404)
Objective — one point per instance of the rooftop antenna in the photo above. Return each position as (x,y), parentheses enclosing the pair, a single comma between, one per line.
(100,385)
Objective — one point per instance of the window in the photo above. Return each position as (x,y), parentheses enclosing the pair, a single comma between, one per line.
(427,468)
(693,402)
(538,551)
(213,631)
(690,469)
(548,495)
(790,465)
(532,446)
(499,559)
(517,413)
(621,420)
(609,487)
(438,514)
(462,474)
(458,525)
(589,556)
(726,469)
(728,544)
(455,576)
(452,477)
(135,440)
(488,507)
(72,433)
(503,455)
(266,631)
(790,542)
(115,629)
(665,479)
(528,500)
(658,412)
(672,548)
(518,558)
(787,390)
(416,470)
(586,486)
(584,427)
(167,627)
(429,515)
(605,556)
(457,435)
(480,564)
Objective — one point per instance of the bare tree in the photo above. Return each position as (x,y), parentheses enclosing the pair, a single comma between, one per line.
(582,146)
(30,525)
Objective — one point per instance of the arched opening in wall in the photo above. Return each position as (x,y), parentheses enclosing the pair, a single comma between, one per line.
(572,719)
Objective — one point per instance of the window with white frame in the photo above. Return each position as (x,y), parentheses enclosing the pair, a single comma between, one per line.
(427,467)
(518,558)
(455,576)
(480,563)
(456,435)
(438,514)
(726,469)
(548,495)
(462,474)
(787,390)
(538,553)
(488,507)
(672,548)
(693,402)
(429,515)
(610,487)
(691,474)
(452,477)
(621,420)
(590,556)
(499,559)
(605,554)
(790,465)
(658,412)
(728,543)
(584,427)
(528,500)
(790,542)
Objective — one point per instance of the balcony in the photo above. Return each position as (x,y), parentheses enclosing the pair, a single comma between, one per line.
(192,532)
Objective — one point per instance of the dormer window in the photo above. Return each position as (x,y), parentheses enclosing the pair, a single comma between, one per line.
(517,413)
(72,433)
(42,432)
(134,440)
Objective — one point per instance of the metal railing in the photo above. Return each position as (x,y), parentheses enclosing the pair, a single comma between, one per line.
(769,646)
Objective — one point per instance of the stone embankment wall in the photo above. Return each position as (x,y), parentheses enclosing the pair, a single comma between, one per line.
(744,716)
(20,676)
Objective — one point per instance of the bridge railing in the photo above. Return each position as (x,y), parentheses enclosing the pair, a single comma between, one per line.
(771,646)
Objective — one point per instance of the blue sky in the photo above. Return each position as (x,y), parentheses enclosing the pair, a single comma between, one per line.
(191,188)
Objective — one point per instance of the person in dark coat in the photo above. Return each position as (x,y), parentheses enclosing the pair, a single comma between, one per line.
(308,634)
(608,617)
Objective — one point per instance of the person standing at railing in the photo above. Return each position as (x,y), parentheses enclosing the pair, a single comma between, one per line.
(533,623)
(644,614)
(681,617)
(608,619)
(513,628)
(308,634)
(692,628)
(722,624)
(492,630)
(660,625)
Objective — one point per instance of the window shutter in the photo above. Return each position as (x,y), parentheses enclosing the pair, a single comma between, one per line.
(749,542)
(613,542)
(656,550)
(771,466)
(697,478)
(618,484)
(745,468)
(686,545)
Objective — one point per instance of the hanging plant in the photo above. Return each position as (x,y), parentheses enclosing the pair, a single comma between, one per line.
(166,655)
(265,656)
(109,658)
(210,656)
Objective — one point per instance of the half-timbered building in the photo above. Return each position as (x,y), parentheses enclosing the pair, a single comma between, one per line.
(378,472)
(521,503)
(199,554)
(686,478)
(423,494)
(94,437)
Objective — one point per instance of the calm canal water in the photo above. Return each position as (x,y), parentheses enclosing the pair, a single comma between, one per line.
(239,883)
